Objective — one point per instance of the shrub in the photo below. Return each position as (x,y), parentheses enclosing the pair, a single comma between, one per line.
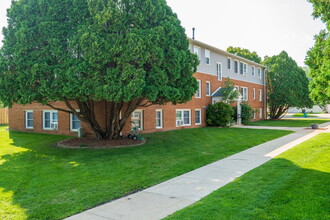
(219,114)
(246,113)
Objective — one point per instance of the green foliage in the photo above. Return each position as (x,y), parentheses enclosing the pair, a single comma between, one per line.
(246,113)
(230,94)
(244,53)
(219,114)
(42,182)
(287,85)
(124,52)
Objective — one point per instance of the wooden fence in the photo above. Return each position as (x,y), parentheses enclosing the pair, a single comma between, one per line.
(3,116)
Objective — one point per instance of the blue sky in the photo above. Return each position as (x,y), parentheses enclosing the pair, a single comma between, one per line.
(264,26)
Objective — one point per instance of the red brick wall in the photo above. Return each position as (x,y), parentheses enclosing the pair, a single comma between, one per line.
(17,112)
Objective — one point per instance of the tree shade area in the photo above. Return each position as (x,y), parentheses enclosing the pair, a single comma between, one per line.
(318,57)
(287,85)
(128,53)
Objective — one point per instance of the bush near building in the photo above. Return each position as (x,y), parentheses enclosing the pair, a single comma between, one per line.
(219,114)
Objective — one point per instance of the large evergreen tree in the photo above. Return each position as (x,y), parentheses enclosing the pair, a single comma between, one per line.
(128,53)
(318,57)
(287,85)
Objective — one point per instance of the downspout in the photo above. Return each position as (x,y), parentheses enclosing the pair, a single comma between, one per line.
(265,93)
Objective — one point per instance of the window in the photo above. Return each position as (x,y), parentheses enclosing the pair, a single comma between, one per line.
(254,113)
(74,123)
(245,69)
(199,91)
(228,63)
(259,73)
(241,68)
(137,119)
(29,119)
(260,113)
(244,93)
(254,93)
(198,116)
(197,51)
(50,120)
(208,88)
(260,95)
(159,118)
(183,118)
(219,71)
(236,66)
(207,56)
(253,71)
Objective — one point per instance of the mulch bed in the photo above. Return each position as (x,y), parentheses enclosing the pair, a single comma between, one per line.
(92,143)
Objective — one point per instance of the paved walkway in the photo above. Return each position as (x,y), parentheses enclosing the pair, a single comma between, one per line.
(168,197)
(317,116)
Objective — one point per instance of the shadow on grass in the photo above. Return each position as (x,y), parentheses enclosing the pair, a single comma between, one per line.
(52,183)
(277,190)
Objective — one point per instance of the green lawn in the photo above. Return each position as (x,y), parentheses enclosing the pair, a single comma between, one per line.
(302,115)
(295,185)
(38,181)
(289,122)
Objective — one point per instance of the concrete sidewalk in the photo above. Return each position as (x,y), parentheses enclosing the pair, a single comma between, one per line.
(168,197)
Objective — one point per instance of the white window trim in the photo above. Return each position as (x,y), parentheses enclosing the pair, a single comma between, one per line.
(245,70)
(260,113)
(71,127)
(199,94)
(219,73)
(247,93)
(139,110)
(254,93)
(200,116)
(253,69)
(209,56)
(208,90)
(237,66)
(259,73)
(51,119)
(161,118)
(182,116)
(260,95)
(229,58)
(26,119)
(254,113)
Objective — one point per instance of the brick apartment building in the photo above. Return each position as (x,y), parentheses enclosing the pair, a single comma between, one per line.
(215,66)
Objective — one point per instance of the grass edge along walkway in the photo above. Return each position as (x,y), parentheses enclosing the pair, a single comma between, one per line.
(294,185)
(294,122)
(41,182)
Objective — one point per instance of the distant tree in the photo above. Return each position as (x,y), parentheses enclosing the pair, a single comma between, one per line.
(128,53)
(287,85)
(244,53)
(318,57)
(230,94)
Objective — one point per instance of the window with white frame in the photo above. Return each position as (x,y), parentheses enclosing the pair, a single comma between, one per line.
(197,51)
(241,68)
(199,91)
(236,66)
(254,93)
(260,113)
(137,118)
(259,73)
(254,113)
(208,88)
(29,119)
(183,117)
(253,71)
(219,71)
(245,69)
(198,116)
(260,95)
(159,118)
(228,63)
(244,93)
(75,123)
(50,120)
(207,56)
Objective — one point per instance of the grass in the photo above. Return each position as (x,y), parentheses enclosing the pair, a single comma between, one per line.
(294,185)
(38,181)
(302,115)
(289,122)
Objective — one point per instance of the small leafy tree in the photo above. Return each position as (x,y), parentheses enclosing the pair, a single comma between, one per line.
(126,53)
(219,114)
(244,53)
(287,85)
(230,94)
